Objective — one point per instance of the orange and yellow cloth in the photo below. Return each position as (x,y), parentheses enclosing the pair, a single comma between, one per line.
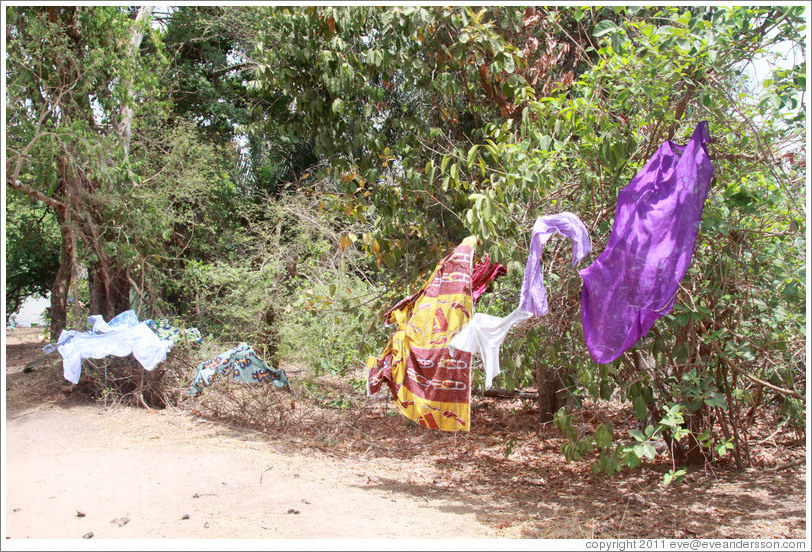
(430,386)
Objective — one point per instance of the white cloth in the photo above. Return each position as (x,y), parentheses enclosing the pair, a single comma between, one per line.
(139,339)
(484,334)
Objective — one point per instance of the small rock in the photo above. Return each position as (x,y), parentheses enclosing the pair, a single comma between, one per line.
(305,501)
(637,499)
(372,479)
(121,522)
(80,513)
(88,535)
(196,495)
(293,511)
(16,510)
(206,525)
(185,516)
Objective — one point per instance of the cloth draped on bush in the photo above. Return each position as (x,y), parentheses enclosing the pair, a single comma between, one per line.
(484,273)
(533,295)
(238,364)
(485,333)
(634,282)
(164,329)
(121,336)
(429,386)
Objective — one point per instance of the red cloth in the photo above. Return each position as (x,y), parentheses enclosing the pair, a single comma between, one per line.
(483,273)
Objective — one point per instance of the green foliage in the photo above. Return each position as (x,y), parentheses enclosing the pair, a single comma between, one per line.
(383,96)
(292,210)
(401,103)
(32,250)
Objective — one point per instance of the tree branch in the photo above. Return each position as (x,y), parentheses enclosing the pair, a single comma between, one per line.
(36,194)
(732,366)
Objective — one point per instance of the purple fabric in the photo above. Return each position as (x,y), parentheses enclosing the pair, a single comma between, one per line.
(534,297)
(635,280)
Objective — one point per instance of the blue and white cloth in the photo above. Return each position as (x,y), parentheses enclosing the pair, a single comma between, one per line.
(121,336)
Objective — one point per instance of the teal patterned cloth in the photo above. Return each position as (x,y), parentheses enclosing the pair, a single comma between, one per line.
(238,364)
(165,330)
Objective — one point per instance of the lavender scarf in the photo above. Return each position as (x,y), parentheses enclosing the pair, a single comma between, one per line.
(635,280)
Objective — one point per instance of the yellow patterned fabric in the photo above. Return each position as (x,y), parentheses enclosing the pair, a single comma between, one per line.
(430,386)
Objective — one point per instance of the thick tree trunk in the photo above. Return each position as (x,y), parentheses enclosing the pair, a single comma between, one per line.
(109,291)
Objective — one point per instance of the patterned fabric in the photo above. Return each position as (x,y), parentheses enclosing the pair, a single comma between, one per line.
(635,280)
(483,274)
(165,330)
(430,386)
(534,296)
(238,364)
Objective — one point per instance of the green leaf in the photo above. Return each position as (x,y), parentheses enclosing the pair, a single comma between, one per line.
(603,27)
(639,406)
(673,476)
(617,43)
(472,155)
(638,435)
(715,399)
(603,436)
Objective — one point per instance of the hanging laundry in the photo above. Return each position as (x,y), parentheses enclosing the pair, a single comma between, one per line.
(430,386)
(635,280)
(124,319)
(483,274)
(165,330)
(533,295)
(484,335)
(122,336)
(238,364)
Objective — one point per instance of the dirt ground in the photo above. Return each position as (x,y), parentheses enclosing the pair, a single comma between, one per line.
(77,469)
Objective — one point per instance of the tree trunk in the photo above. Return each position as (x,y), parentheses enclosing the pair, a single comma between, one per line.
(109,291)
(551,391)
(61,286)
(126,116)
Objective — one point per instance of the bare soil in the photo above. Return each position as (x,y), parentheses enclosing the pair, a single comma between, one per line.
(75,467)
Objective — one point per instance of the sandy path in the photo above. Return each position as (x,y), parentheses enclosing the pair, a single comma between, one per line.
(116,463)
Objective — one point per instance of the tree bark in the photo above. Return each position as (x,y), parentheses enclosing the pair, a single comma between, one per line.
(551,394)
(126,118)
(61,286)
